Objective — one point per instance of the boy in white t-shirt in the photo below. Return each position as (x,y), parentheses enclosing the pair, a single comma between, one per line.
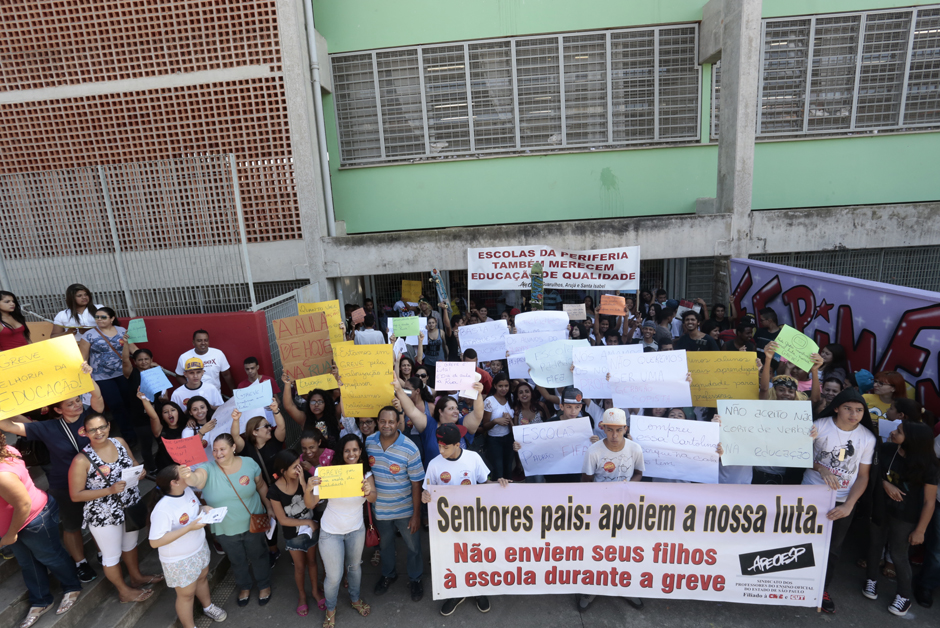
(614,459)
(456,466)
(842,455)
(195,387)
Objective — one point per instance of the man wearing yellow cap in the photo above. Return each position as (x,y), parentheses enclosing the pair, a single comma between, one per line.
(195,387)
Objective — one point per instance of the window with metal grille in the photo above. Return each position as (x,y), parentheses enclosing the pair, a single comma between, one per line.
(553,92)
(847,73)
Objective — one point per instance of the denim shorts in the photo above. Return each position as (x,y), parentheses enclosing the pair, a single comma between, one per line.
(302,542)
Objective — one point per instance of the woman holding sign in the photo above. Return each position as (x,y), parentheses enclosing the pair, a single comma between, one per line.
(97,477)
(343,531)
(236,483)
(320,412)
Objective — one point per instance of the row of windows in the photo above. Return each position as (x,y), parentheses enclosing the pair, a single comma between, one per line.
(847,73)
(518,94)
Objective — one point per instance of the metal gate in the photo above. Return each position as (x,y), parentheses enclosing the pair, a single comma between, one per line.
(148,238)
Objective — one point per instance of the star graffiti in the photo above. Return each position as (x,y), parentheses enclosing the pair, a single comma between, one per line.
(823,310)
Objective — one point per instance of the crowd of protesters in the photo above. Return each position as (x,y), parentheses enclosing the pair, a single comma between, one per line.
(425,437)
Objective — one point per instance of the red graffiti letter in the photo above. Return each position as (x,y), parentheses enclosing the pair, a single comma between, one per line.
(861,354)
(802,304)
(901,351)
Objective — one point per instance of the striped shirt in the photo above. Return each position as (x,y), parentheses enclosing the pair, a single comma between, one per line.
(394,469)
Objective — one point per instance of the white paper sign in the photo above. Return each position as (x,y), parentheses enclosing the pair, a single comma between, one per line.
(555,447)
(649,380)
(132,476)
(450,376)
(542,320)
(216,515)
(590,369)
(675,449)
(518,369)
(223,425)
(517,344)
(488,339)
(254,396)
(766,433)
(576,312)
(885,427)
(550,365)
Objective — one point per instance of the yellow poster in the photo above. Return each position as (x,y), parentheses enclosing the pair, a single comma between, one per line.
(41,374)
(322,382)
(410,291)
(367,372)
(344,480)
(333,317)
(722,375)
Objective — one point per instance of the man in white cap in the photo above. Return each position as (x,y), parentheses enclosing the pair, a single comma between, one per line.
(614,459)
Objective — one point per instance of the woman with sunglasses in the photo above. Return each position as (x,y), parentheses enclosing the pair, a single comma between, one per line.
(13,330)
(95,478)
(102,347)
(261,442)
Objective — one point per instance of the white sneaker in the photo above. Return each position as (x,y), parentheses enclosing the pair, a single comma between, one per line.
(215,613)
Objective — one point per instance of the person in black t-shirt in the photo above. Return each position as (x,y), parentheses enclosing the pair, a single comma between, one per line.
(694,339)
(768,332)
(742,338)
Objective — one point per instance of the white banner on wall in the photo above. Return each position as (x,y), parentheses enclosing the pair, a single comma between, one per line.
(754,544)
(507,268)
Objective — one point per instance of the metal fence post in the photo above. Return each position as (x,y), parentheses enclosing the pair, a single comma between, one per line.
(118,256)
(241,228)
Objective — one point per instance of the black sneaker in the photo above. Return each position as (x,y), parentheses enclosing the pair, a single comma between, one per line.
(383,584)
(828,606)
(85,572)
(635,602)
(417,590)
(483,604)
(6,552)
(900,606)
(871,589)
(924,597)
(273,556)
(451,605)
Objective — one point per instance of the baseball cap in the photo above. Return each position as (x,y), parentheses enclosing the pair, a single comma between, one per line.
(649,323)
(514,312)
(571,395)
(450,433)
(614,416)
(865,380)
(747,321)
(193,364)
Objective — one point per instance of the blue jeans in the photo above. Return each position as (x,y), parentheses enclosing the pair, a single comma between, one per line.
(930,574)
(386,528)
(247,549)
(39,549)
(338,550)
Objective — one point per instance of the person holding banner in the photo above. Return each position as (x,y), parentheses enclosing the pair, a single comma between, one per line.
(614,459)
(843,450)
(236,483)
(13,329)
(343,532)
(900,517)
(63,444)
(95,478)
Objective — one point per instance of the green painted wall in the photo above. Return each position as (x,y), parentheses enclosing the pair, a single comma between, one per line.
(570,186)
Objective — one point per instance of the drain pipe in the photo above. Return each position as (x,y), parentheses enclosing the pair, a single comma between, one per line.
(321,133)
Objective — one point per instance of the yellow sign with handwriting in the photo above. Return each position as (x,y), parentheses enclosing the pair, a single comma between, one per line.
(333,317)
(41,374)
(344,480)
(322,382)
(367,372)
(722,375)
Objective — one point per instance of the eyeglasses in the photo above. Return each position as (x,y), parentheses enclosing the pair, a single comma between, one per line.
(97,430)
(102,318)
(317,402)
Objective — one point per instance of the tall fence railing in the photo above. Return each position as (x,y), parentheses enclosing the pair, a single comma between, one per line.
(149,238)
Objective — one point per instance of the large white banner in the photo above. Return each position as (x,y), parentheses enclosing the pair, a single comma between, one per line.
(755,544)
(507,268)
(554,447)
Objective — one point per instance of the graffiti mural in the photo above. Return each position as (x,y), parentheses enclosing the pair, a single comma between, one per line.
(882,327)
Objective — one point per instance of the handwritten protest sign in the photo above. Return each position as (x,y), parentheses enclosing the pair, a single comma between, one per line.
(367,372)
(796,347)
(542,320)
(304,343)
(576,312)
(722,375)
(358,316)
(550,365)
(612,305)
(333,316)
(186,451)
(450,376)
(553,448)
(590,368)
(404,326)
(41,374)
(675,449)
(649,380)
(321,382)
(422,328)
(137,331)
(344,480)
(223,423)
(487,339)
(518,344)
(885,427)
(410,290)
(254,396)
(153,382)
(766,433)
